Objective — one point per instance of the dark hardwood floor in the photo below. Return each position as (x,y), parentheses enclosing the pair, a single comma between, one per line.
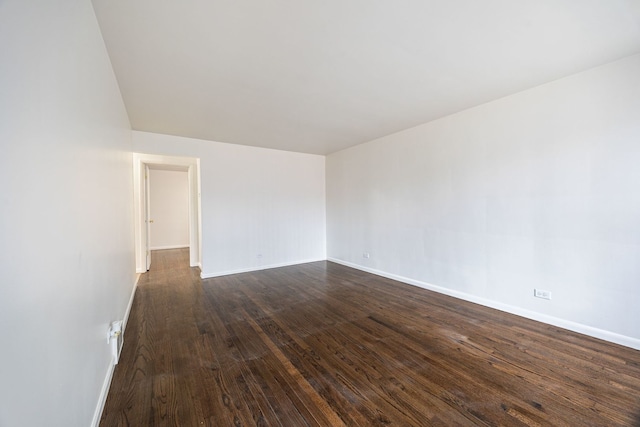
(321,344)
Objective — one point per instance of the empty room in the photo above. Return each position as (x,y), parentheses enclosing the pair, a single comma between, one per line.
(338,213)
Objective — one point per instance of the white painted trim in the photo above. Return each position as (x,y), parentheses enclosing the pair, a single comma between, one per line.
(263,267)
(550,320)
(125,319)
(161,248)
(104,392)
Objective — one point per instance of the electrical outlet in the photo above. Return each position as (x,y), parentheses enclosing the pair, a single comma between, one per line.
(539,293)
(366,255)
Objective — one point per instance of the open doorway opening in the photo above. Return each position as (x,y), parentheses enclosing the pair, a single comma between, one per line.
(168,207)
(143,164)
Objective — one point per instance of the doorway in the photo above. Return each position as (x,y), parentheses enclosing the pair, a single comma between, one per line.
(142,163)
(169,207)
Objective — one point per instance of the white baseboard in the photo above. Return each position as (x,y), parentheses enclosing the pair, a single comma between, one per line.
(550,320)
(104,392)
(160,248)
(125,319)
(262,267)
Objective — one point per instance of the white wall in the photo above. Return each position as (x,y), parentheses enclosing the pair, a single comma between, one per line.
(66,236)
(540,189)
(169,208)
(260,208)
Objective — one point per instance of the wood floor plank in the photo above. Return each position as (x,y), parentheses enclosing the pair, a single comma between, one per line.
(321,344)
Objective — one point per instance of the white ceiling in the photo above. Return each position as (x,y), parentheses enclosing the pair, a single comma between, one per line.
(320,76)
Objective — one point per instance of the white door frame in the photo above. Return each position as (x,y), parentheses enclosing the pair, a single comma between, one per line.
(140,165)
(147,216)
